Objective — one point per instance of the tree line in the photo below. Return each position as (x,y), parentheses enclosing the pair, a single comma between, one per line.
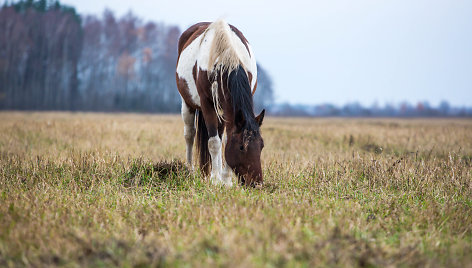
(355,109)
(52,58)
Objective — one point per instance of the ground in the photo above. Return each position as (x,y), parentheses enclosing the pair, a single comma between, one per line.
(86,189)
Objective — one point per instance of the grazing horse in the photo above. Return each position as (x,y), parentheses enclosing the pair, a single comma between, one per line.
(216,76)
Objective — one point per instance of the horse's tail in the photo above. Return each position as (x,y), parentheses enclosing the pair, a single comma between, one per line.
(202,144)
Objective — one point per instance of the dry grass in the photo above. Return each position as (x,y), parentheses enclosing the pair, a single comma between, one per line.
(99,189)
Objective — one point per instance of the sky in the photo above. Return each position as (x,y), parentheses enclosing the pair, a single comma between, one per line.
(339,51)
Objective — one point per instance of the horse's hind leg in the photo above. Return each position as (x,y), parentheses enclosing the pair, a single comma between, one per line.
(188,115)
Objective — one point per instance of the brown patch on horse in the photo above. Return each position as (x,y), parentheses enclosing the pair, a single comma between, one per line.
(202,84)
(255,87)
(194,72)
(249,75)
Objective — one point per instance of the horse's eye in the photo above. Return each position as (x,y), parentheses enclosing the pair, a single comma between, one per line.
(241,148)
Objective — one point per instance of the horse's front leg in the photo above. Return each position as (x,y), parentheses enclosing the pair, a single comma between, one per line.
(214,144)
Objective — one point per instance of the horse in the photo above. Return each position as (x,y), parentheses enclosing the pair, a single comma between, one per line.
(216,77)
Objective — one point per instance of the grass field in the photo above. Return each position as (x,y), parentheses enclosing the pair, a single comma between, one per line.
(110,190)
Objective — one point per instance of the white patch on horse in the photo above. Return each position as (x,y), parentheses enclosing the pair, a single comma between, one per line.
(185,65)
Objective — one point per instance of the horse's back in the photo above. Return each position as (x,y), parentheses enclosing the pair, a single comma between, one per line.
(194,56)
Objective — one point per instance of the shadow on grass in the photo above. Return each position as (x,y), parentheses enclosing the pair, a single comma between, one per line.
(173,174)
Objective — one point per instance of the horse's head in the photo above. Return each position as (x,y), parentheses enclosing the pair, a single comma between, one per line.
(243,150)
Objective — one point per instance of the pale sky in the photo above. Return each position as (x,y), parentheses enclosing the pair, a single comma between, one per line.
(339,51)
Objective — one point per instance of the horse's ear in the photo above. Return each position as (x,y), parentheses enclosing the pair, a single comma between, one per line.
(260,117)
(239,121)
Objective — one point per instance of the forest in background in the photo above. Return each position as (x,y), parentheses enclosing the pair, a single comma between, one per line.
(52,58)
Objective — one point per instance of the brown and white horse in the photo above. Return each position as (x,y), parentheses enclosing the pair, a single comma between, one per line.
(216,77)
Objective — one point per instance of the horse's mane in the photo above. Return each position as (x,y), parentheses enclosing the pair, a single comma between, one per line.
(241,97)
(224,59)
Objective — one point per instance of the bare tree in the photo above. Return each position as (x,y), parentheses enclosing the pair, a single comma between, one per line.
(52,58)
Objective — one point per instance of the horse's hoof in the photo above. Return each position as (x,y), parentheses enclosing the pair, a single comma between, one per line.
(228,183)
(215,180)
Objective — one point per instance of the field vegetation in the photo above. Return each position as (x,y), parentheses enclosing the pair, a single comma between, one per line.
(87,189)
